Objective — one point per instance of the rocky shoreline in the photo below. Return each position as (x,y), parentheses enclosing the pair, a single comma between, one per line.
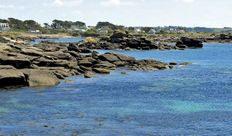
(124,41)
(45,65)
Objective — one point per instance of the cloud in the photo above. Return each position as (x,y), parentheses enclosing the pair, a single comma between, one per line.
(67,3)
(6,6)
(186,1)
(120,2)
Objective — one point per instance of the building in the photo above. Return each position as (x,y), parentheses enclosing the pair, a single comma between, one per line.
(34,31)
(76,27)
(103,30)
(152,31)
(4,27)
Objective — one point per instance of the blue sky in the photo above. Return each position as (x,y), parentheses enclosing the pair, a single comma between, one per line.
(210,13)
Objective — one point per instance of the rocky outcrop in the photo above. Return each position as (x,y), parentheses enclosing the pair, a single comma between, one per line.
(121,40)
(46,65)
(185,42)
(221,38)
(124,41)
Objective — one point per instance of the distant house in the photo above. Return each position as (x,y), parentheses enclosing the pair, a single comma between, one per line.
(78,28)
(152,31)
(57,26)
(34,31)
(103,30)
(4,27)
(137,30)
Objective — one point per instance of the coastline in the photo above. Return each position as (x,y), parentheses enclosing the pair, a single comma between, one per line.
(48,63)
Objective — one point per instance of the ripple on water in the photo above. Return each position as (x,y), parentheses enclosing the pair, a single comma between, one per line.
(168,84)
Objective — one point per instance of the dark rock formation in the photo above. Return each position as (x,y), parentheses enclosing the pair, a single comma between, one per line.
(221,38)
(185,42)
(124,41)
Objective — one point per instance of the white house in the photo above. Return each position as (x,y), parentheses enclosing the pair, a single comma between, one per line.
(103,30)
(4,27)
(152,31)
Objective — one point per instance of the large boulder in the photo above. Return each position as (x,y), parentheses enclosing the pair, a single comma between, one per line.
(39,78)
(118,36)
(10,77)
(189,43)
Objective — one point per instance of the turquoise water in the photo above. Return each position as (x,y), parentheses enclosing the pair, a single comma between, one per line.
(58,40)
(190,100)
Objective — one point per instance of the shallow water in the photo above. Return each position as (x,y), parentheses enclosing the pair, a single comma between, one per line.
(191,100)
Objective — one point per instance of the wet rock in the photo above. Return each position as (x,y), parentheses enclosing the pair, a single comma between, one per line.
(12,78)
(89,74)
(101,70)
(185,63)
(173,63)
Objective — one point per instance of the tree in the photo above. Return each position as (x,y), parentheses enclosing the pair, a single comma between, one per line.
(31,24)
(16,24)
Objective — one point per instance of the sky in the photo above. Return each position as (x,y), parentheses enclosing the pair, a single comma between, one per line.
(189,13)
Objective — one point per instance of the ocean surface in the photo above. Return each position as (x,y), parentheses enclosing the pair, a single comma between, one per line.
(191,100)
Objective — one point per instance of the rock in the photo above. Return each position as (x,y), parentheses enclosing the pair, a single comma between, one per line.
(73,47)
(39,78)
(185,63)
(3,40)
(85,50)
(101,70)
(74,54)
(6,67)
(118,36)
(4,47)
(190,43)
(14,61)
(12,78)
(124,57)
(42,62)
(108,57)
(105,64)
(88,62)
(124,73)
(32,52)
(173,63)
(89,74)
